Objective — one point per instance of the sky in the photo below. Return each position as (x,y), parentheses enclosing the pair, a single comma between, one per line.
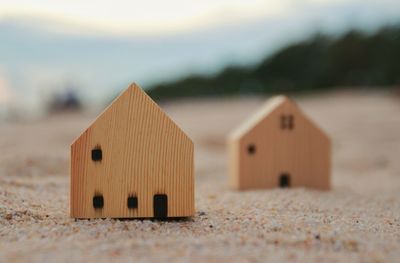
(150,16)
(100,46)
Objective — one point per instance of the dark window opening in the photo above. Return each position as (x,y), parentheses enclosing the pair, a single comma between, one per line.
(284,180)
(291,122)
(283,122)
(287,122)
(132,202)
(160,205)
(98,201)
(97,154)
(251,149)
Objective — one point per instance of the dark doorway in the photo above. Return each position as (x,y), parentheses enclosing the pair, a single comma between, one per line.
(284,180)
(160,205)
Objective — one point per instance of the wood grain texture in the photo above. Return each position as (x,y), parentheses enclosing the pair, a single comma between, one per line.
(303,152)
(144,153)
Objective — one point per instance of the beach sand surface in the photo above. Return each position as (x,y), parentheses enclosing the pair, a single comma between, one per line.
(357,221)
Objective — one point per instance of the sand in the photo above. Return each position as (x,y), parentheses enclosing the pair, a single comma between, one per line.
(358,221)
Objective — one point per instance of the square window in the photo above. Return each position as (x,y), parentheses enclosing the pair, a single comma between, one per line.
(98,201)
(97,155)
(287,122)
(251,149)
(132,202)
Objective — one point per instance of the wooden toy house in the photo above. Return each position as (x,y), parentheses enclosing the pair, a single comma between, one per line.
(132,161)
(279,147)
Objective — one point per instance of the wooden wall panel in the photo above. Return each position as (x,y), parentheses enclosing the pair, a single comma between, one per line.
(144,153)
(302,152)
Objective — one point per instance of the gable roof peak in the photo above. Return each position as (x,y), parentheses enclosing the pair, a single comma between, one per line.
(127,95)
(270,105)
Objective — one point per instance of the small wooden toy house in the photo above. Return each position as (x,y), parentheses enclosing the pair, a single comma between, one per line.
(133,161)
(279,147)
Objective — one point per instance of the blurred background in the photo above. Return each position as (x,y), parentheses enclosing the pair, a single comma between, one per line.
(210,65)
(57,55)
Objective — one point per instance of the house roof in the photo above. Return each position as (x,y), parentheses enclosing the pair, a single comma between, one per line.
(148,102)
(271,105)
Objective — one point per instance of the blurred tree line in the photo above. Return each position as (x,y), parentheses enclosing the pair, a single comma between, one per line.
(355,59)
